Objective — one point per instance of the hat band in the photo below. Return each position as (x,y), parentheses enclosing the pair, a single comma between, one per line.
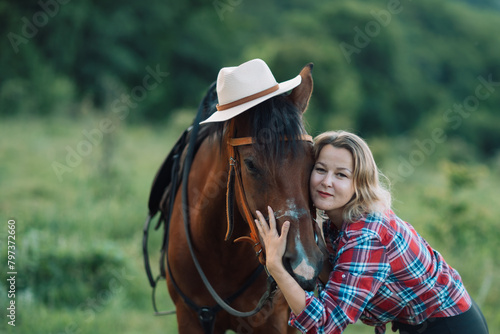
(248,98)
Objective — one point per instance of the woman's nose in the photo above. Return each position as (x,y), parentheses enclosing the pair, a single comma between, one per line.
(327,181)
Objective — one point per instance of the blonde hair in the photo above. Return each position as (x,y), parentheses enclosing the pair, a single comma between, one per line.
(370,195)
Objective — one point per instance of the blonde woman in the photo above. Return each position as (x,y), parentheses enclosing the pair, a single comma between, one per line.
(381,270)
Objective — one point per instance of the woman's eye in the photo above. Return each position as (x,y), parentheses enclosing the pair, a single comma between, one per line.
(341,175)
(319,170)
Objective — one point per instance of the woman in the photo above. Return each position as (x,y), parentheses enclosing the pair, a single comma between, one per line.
(381,269)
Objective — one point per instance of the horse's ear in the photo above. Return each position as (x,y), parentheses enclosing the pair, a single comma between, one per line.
(301,94)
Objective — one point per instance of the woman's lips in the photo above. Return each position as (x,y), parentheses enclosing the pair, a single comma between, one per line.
(324,195)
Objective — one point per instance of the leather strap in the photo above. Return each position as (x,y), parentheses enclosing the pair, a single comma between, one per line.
(248,98)
(249,140)
(271,284)
(239,192)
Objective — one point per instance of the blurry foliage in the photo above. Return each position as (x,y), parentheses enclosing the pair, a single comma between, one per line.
(460,220)
(51,268)
(79,241)
(422,59)
(400,86)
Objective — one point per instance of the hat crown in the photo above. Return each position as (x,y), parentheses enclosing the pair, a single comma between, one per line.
(243,87)
(238,82)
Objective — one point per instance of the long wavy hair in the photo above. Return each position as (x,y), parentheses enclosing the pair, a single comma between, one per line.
(370,194)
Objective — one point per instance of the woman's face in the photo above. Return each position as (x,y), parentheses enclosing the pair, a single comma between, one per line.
(331,184)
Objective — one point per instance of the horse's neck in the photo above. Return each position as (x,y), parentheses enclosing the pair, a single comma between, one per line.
(207,189)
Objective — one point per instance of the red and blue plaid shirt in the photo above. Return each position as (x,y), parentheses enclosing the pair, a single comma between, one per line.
(383,270)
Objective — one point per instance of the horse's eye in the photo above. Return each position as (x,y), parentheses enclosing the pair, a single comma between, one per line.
(251,166)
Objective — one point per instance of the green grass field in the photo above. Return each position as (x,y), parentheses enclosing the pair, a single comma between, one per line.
(79,228)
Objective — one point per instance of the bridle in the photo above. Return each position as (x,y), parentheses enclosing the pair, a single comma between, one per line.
(235,171)
(253,238)
(207,314)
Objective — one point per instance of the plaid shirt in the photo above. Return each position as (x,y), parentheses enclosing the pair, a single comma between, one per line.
(383,270)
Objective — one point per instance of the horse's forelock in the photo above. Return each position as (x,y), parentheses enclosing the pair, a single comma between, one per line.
(272,122)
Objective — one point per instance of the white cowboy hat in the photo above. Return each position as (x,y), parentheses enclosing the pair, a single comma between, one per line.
(242,87)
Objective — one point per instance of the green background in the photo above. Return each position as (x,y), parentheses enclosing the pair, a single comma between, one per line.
(84,125)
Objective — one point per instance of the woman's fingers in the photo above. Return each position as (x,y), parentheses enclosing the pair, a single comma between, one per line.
(263,233)
(274,243)
(272,220)
(261,222)
(284,230)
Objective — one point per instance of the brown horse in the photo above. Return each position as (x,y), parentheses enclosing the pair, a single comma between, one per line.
(273,170)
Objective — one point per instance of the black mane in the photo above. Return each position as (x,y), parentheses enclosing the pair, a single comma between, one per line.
(273,121)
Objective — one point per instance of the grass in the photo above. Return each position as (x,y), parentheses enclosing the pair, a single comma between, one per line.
(78,235)
(78,241)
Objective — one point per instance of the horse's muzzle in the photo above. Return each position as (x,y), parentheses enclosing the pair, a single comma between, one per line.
(305,270)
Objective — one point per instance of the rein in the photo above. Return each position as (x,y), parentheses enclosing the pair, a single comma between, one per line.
(271,284)
(207,314)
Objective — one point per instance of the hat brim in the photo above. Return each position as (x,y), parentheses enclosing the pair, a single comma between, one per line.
(224,115)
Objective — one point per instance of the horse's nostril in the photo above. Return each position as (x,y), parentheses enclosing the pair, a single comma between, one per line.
(287,263)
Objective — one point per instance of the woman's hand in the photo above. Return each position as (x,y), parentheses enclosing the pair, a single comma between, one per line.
(274,244)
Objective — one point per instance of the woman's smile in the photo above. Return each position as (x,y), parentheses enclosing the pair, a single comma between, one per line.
(331,183)
(324,194)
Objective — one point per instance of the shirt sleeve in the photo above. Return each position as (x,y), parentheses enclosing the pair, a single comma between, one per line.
(360,269)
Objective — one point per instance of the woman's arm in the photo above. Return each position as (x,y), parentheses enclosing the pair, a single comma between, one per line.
(361,268)
(294,294)
(275,246)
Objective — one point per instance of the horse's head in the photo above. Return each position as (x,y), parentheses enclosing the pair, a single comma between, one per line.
(275,172)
